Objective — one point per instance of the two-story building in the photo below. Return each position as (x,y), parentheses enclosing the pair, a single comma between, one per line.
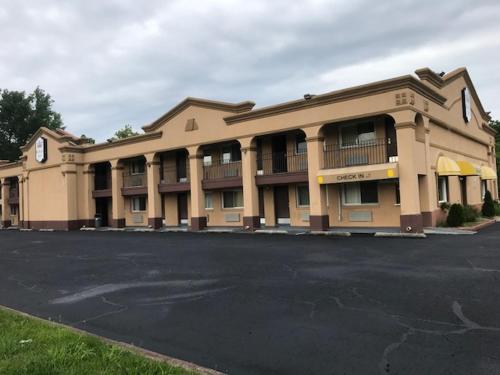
(384,154)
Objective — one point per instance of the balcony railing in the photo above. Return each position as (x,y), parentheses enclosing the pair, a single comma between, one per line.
(222,170)
(276,163)
(171,176)
(134,180)
(376,151)
(13,193)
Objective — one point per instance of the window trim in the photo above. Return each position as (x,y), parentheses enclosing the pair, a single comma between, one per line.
(297,201)
(132,205)
(360,203)
(211,200)
(445,191)
(232,208)
(356,124)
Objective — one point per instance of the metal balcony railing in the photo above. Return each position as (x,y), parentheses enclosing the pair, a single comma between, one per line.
(275,163)
(222,170)
(13,193)
(375,151)
(170,175)
(134,180)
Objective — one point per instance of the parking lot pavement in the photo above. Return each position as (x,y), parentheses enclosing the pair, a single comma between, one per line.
(271,304)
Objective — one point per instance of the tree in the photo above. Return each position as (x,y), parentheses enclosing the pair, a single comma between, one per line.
(488,209)
(455,215)
(126,132)
(21,115)
(495,124)
(86,139)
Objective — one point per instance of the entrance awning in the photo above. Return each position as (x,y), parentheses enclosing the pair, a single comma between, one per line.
(488,173)
(447,167)
(468,169)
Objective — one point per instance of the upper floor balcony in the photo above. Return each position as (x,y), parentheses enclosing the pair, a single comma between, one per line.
(135,181)
(367,152)
(102,180)
(222,174)
(281,167)
(14,194)
(174,172)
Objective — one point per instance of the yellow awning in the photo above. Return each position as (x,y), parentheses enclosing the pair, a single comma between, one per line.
(447,167)
(468,169)
(488,173)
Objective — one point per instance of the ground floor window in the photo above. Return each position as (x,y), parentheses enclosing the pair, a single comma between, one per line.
(138,204)
(13,210)
(303,196)
(232,199)
(209,203)
(356,193)
(484,188)
(443,189)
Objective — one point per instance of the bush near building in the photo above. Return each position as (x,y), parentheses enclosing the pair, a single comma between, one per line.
(455,215)
(471,214)
(488,209)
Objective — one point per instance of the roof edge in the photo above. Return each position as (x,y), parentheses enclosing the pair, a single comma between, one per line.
(407,81)
(205,103)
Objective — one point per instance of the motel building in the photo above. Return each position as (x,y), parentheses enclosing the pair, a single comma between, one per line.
(385,154)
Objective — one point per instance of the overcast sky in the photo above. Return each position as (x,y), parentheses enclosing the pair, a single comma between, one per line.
(109,63)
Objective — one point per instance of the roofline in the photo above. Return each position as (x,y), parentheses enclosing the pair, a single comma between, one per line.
(204,103)
(407,81)
(52,133)
(120,142)
(13,164)
(429,75)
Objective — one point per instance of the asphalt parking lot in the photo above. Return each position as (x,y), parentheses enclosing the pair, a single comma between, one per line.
(271,304)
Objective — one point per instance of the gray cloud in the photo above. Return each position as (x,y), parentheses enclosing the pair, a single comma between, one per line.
(116,62)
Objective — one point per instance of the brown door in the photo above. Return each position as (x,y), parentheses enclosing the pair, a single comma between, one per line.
(279,154)
(262,214)
(182,207)
(281,205)
(181,166)
(463,189)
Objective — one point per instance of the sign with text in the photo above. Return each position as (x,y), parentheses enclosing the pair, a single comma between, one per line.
(377,173)
(466,105)
(41,150)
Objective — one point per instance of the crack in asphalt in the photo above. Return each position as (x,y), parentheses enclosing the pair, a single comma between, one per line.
(121,309)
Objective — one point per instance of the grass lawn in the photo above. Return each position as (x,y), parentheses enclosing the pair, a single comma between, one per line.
(30,346)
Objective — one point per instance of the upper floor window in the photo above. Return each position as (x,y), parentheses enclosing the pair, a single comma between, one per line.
(300,144)
(137,167)
(231,153)
(207,158)
(358,134)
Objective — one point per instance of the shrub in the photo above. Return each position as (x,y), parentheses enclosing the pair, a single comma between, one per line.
(471,214)
(497,208)
(488,209)
(455,215)
(444,206)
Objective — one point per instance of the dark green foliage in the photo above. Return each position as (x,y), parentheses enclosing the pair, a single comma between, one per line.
(488,209)
(21,115)
(471,214)
(495,124)
(455,215)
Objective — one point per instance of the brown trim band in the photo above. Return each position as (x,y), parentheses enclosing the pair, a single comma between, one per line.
(411,223)
(198,223)
(155,222)
(251,222)
(282,178)
(174,188)
(6,223)
(130,191)
(106,193)
(319,222)
(118,223)
(222,183)
(63,225)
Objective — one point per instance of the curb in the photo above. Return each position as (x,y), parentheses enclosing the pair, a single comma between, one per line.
(481,225)
(400,235)
(129,347)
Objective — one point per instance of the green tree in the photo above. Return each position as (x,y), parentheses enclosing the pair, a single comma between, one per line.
(125,132)
(21,115)
(488,209)
(86,139)
(495,124)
